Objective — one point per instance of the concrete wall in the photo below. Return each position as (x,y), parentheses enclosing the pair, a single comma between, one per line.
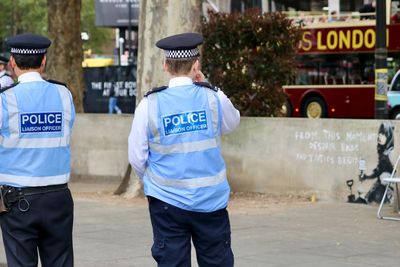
(268,155)
(284,155)
(99,146)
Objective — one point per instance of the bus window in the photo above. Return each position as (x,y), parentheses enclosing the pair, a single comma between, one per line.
(335,69)
(307,73)
(354,70)
(368,73)
(329,71)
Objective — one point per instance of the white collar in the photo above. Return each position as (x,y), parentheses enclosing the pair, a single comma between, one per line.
(2,72)
(179,81)
(30,77)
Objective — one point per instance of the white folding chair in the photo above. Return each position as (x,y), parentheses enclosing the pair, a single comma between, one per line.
(395,181)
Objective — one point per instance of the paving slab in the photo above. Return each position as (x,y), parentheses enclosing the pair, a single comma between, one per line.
(266,231)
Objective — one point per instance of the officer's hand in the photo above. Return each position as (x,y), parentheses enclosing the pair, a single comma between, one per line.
(362,176)
(199,77)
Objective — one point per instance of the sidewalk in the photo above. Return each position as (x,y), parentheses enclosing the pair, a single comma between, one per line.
(112,231)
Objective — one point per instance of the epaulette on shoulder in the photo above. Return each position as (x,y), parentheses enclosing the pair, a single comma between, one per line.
(57,82)
(8,87)
(156,90)
(206,84)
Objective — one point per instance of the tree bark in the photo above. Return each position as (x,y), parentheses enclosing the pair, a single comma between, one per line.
(65,54)
(158,19)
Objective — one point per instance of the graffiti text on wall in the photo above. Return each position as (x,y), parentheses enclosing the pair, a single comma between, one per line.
(331,147)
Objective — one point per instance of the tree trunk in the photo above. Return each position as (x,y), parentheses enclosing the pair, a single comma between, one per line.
(157,19)
(65,54)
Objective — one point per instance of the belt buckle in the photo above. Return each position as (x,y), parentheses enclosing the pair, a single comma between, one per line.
(23,203)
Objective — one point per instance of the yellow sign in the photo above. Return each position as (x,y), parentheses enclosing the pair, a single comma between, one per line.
(381,80)
(97,62)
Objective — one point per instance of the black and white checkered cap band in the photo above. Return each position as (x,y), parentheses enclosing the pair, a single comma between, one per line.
(182,53)
(27,51)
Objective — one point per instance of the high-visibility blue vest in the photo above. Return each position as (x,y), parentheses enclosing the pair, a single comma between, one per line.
(35,134)
(185,166)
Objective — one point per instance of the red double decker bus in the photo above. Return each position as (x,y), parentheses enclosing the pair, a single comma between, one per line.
(336,73)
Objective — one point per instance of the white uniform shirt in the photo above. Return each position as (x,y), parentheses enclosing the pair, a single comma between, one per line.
(24,78)
(5,80)
(138,145)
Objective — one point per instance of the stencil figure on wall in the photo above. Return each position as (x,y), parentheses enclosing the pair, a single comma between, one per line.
(371,188)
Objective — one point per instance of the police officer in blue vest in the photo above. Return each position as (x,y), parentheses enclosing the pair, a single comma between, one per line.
(36,118)
(174,147)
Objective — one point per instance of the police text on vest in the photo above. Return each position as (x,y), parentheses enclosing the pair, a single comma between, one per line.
(41,122)
(185,122)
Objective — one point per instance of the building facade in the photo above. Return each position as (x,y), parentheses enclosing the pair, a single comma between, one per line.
(291,5)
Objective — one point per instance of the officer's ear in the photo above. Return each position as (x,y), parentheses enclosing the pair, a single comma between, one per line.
(13,64)
(196,66)
(43,64)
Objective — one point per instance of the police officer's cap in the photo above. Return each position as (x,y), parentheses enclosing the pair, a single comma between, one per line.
(28,44)
(181,46)
(3,60)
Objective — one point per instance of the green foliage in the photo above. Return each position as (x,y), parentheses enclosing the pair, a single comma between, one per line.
(250,56)
(98,36)
(18,16)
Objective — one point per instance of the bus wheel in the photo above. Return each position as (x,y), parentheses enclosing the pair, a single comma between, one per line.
(286,109)
(395,114)
(314,108)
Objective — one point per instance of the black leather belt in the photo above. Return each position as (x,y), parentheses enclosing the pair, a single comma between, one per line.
(13,194)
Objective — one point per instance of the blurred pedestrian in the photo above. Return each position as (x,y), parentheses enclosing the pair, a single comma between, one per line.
(333,16)
(174,147)
(395,19)
(112,102)
(367,11)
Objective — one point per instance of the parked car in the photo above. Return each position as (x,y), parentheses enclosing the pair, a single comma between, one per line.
(394,97)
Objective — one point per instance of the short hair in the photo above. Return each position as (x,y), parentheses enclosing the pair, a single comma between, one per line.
(26,62)
(180,66)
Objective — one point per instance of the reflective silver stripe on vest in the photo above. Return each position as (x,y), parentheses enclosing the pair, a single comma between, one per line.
(34,181)
(213,104)
(13,119)
(67,107)
(184,147)
(187,183)
(15,142)
(34,142)
(12,114)
(153,116)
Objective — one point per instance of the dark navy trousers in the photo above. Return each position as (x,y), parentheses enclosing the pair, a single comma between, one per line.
(45,228)
(174,229)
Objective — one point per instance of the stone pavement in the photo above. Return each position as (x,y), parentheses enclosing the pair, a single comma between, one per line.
(113,231)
